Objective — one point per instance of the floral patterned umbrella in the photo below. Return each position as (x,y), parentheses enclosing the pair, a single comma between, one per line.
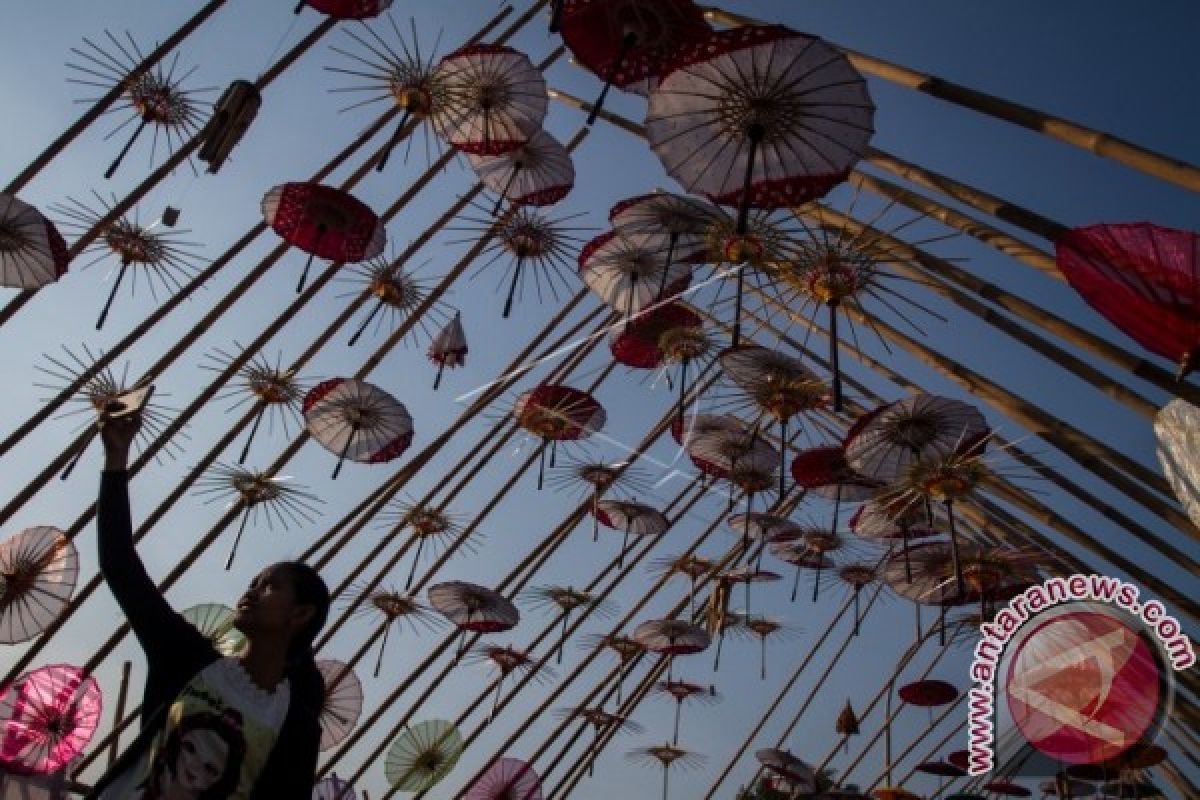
(47,718)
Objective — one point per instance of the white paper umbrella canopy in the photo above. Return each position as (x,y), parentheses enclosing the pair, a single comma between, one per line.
(672,637)
(215,621)
(495,99)
(637,519)
(341,703)
(762,108)
(32,251)
(683,221)
(38,570)
(629,272)
(423,757)
(449,347)
(1177,427)
(782,763)
(917,427)
(358,421)
(474,608)
(538,173)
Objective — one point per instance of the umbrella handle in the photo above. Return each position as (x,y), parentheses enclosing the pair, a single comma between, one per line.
(362,328)
(66,473)
(437,381)
(755,133)
(112,169)
(237,540)
(834,358)
(666,269)
(112,294)
(345,449)
(412,573)
(253,430)
(507,185)
(512,288)
(555,15)
(397,135)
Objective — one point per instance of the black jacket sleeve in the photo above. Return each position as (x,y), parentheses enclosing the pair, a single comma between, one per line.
(158,628)
(291,768)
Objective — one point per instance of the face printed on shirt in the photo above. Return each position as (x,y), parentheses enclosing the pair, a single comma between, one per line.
(203,756)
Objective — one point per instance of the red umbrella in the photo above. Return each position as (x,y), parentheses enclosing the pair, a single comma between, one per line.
(627,43)
(776,135)
(47,718)
(634,519)
(449,348)
(506,779)
(671,637)
(324,222)
(538,173)
(928,693)
(1007,789)
(32,251)
(357,420)
(664,335)
(473,608)
(1143,278)
(347,9)
(941,769)
(557,413)
(495,99)
(824,472)
(959,758)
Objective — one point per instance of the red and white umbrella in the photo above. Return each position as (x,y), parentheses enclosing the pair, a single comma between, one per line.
(449,348)
(47,718)
(628,43)
(632,519)
(661,336)
(324,222)
(347,9)
(538,173)
(760,116)
(684,221)
(824,472)
(629,272)
(671,637)
(557,413)
(38,570)
(474,608)
(32,251)
(917,427)
(495,99)
(358,421)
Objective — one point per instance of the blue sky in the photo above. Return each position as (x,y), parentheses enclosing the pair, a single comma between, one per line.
(1109,65)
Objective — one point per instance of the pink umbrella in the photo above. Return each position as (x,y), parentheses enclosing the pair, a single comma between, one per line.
(506,779)
(47,717)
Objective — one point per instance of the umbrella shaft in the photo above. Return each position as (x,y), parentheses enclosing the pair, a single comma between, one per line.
(755,134)
(253,430)
(512,289)
(112,294)
(397,135)
(628,42)
(112,170)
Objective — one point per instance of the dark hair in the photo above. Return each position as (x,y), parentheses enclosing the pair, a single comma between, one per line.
(228,727)
(309,588)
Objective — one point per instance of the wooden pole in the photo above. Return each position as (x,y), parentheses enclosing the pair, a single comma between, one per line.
(119,712)
(1096,142)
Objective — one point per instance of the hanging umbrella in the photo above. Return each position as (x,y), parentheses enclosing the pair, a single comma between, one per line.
(153,96)
(670,638)
(625,648)
(764,628)
(276,501)
(496,99)
(890,522)
(215,622)
(663,335)
(667,757)
(394,609)
(538,173)
(506,779)
(824,472)
(276,390)
(556,413)
(423,756)
(399,298)
(1007,789)
(449,348)
(797,554)
(565,600)
(857,576)
(928,693)
(748,575)
(358,421)
(432,527)
(910,429)
(629,271)
(602,723)
(690,566)
(632,519)
(324,222)
(779,133)
(628,43)
(801,776)
(32,251)
(682,692)
(747,461)
(341,703)
(941,769)
(1177,427)
(1143,278)
(38,570)
(925,574)
(47,718)
(598,478)
(334,788)
(685,430)
(684,221)
(347,9)
(509,660)
(847,725)
(474,608)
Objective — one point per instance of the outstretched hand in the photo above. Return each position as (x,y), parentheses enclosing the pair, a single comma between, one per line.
(117,433)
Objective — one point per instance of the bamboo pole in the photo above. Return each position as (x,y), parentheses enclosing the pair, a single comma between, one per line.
(1093,141)
(113,95)
(109,356)
(119,713)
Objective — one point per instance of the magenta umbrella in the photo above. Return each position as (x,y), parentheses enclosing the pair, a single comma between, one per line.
(506,779)
(47,717)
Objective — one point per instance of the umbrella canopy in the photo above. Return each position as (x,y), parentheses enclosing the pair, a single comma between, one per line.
(629,271)
(334,788)
(775,382)
(559,413)
(358,421)
(636,519)
(825,472)
(686,429)
(800,775)
(915,428)
(342,702)
(423,756)
(449,347)
(324,222)
(32,251)
(215,621)
(659,336)
(1143,278)
(495,99)
(47,718)
(347,9)
(672,637)
(928,693)
(38,570)
(537,173)
(760,116)
(506,779)
(1007,789)
(475,608)
(683,221)
(1177,427)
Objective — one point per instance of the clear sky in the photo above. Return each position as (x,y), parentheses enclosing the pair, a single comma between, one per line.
(1128,69)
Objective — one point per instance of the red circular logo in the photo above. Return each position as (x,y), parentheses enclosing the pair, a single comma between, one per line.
(1083,687)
